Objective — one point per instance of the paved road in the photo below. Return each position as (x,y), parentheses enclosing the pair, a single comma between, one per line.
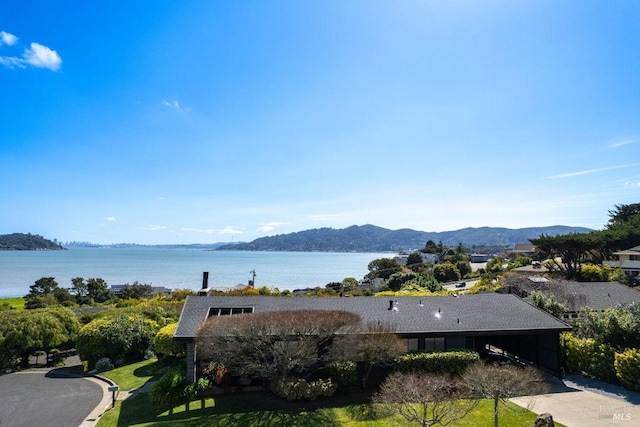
(46,398)
(581,402)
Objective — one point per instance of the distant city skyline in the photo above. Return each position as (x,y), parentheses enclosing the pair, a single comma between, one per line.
(200,122)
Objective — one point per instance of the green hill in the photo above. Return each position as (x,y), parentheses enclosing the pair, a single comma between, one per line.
(370,238)
(26,242)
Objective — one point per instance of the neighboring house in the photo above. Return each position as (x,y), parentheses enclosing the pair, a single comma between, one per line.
(628,261)
(479,257)
(426,258)
(476,322)
(576,296)
(526,249)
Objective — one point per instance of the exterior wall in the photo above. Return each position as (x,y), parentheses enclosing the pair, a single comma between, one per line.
(191,361)
(541,349)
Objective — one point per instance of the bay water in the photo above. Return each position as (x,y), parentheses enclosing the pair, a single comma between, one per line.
(179,268)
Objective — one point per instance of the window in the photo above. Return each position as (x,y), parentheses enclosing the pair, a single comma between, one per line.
(469,343)
(434,343)
(227,311)
(412,344)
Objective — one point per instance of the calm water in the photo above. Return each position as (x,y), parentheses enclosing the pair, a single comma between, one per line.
(178,268)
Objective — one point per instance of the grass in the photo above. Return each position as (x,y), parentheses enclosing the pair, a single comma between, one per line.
(15,303)
(254,410)
(135,375)
(259,410)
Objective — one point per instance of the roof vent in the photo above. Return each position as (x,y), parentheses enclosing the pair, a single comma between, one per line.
(393,305)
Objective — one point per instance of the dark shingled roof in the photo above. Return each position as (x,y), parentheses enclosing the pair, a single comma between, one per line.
(595,295)
(481,313)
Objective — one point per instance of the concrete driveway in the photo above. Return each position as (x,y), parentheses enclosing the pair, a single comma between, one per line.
(55,397)
(581,402)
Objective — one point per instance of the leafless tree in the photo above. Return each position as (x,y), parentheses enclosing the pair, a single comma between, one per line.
(502,382)
(425,399)
(275,344)
(373,343)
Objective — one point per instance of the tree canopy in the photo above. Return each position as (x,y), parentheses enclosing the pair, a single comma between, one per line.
(272,344)
(568,252)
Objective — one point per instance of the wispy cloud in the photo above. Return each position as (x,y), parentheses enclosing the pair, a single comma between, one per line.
(152,227)
(270,226)
(327,216)
(590,171)
(36,55)
(229,230)
(632,184)
(198,230)
(623,142)
(110,218)
(175,105)
(7,38)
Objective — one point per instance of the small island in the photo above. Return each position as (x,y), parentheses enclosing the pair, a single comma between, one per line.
(27,242)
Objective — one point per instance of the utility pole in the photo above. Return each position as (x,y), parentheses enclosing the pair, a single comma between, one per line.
(252,283)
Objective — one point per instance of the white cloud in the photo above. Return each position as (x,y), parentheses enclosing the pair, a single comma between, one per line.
(175,104)
(229,230)
(12,62)
(152,227)
(110,218)
(42,57)
(199,230)
(7,38)
(328,216)
(623,142)
(270,226)
(632,184)
(36,55)
(590,171)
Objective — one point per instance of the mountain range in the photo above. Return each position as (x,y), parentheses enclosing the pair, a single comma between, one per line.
(370,238)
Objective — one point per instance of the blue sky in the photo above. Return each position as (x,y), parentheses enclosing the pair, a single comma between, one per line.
(207,121)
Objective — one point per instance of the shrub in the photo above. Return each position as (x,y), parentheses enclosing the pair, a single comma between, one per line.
(122,339)
(164,344)
(444,362)
(345,375)
(586,355)
(627,366)
(593,273)
(171,389)
(104,364)
(297,389)
(217,373)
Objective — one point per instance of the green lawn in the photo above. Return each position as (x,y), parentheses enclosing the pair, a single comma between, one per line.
(257,410)
(266,410)
(17,303)
(133,376)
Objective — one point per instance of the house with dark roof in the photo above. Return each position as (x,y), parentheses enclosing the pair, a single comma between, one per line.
(525,249)
(576,296)
(479,322)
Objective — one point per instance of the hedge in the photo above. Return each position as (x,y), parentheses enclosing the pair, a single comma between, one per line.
(445,362)
(627,366)
(586,355)
(122,339)
(164,344)
(345,375)
(298,389)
